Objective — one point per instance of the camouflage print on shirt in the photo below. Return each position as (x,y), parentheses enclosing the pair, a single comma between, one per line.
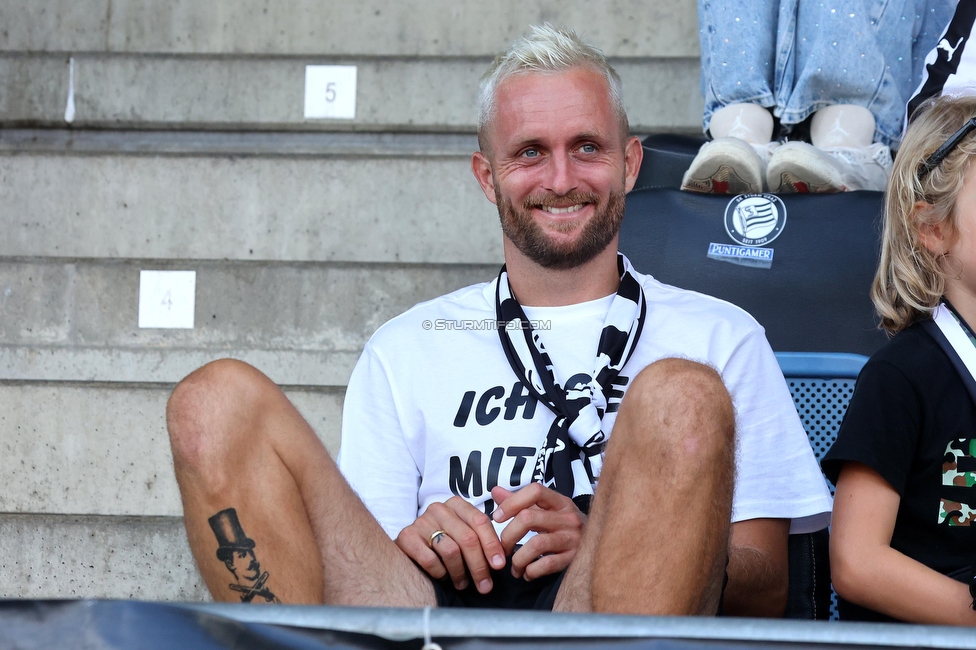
(955,513)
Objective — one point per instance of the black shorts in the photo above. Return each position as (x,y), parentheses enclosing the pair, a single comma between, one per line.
(507,592)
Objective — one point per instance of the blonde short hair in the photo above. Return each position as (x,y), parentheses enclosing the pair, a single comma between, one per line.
(911,279)
(546,49)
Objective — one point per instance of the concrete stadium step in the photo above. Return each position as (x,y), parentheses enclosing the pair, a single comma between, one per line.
(300,323)
(68,556)
(338,197)
(378,27)
(238,143)
(102,448)
(251,93)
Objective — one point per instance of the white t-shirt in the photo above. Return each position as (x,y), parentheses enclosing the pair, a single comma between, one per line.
(433,408)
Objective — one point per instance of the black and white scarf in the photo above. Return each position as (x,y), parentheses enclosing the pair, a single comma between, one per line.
(571,459)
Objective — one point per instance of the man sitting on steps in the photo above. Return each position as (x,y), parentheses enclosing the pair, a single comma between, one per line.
(573,435)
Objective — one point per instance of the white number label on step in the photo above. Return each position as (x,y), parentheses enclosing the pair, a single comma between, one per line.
(167,299)
(330,92)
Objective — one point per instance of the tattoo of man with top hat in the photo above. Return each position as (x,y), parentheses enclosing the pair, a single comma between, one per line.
(236,550)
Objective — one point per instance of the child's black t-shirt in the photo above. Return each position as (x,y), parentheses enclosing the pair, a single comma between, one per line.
(912,420)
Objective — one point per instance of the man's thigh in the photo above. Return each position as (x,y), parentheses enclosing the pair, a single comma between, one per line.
(639,544)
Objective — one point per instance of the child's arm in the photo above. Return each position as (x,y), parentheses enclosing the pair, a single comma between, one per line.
(865,569)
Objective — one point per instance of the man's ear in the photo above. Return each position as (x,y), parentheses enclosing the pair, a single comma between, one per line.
(633,155)
(934,237)
(481,168)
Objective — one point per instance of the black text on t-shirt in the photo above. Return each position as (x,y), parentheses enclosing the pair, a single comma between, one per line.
(490,404)
(467,481)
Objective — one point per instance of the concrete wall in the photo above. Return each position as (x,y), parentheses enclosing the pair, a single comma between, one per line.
(67,556)
(193,91)
(189,150)
(331,208)
(87,448)
(302,324)
(434,28)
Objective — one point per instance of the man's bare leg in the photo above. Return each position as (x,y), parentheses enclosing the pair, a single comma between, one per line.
(656,541)
(239,445)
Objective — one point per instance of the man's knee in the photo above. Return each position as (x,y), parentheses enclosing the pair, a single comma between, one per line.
(680,393)
(200,413)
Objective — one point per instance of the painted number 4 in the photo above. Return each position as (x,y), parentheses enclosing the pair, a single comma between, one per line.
(330,92)
(167,299)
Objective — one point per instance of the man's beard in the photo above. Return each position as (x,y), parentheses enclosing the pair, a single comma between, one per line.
(533,242)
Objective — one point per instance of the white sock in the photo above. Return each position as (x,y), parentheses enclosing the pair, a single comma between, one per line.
(749,122)
(842,125)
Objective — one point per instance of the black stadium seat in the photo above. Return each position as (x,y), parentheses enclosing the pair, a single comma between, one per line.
(813,297)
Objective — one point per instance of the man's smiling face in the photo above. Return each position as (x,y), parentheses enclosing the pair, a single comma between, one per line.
(558,165)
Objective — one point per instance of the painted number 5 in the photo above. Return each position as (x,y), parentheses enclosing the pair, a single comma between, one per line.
(330,92)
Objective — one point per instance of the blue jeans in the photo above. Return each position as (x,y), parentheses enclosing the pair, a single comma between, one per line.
(797,56)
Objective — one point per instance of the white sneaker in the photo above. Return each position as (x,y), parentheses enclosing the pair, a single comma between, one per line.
(729,166)
(800,167)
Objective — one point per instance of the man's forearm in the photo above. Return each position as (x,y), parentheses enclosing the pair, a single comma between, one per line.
(758,568)
(754,588)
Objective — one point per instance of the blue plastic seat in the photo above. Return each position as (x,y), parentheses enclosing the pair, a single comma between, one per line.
(821,384)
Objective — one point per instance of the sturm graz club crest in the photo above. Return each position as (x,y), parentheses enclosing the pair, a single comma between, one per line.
(755,219)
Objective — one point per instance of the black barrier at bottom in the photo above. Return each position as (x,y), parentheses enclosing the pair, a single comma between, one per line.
(134,625)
